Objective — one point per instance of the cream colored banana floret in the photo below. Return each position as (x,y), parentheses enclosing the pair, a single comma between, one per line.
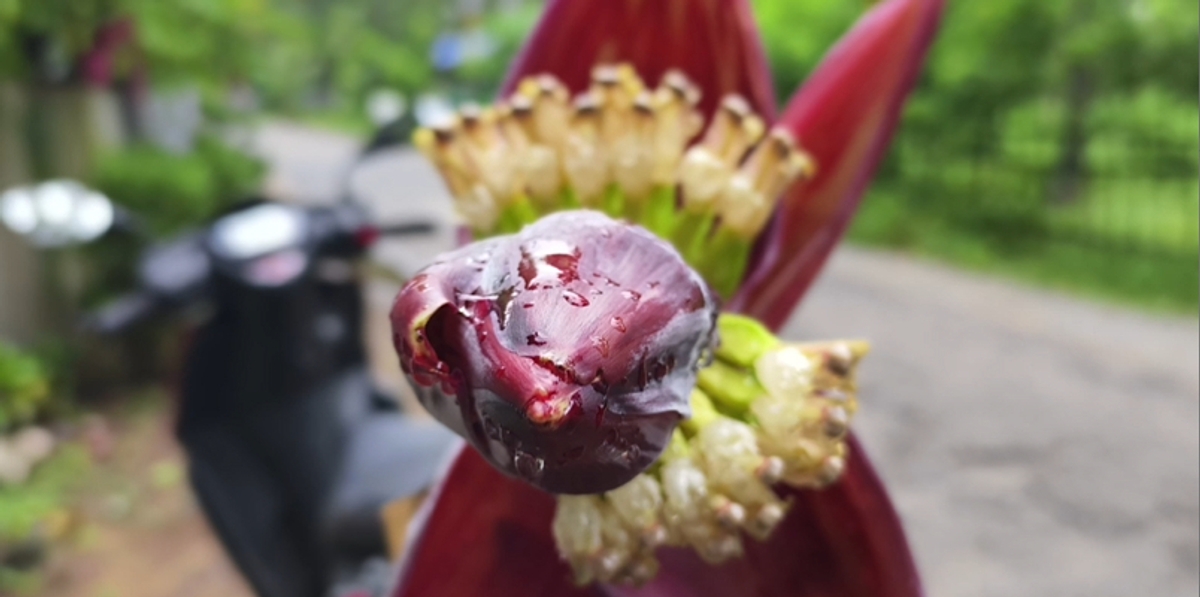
(618,136)
(715,483)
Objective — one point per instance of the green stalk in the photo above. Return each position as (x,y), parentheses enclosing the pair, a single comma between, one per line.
(524,212)
(690,231)
(730,388)
(703,413)
(697,246)
(723,261)
(742,340)
(569,199)
(659,215)
(613,202)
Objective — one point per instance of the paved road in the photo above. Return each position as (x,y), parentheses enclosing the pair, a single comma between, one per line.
(1036,445)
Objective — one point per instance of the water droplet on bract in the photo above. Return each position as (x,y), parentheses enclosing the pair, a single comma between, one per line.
(633,453)
(632,295)
(575,299)
(601,344)
(618,323)
(535,339)
(504,303)
(528,466)
(568,265)
(491,429)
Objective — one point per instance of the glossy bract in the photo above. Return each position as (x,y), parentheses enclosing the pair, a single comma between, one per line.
(565,353)
(843,541)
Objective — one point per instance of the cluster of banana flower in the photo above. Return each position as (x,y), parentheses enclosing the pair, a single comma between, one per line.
(764,412)
(625,149)
(625,429)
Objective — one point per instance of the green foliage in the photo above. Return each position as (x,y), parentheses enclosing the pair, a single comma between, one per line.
(24,386)
(67,23)
(171,191)
(798,33)
(23,508)
(207,41)
(1150,132)
(1051,140)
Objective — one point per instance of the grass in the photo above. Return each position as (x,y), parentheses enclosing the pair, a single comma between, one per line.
(1093,260)
(23,508)
(1155,213)
(341,121)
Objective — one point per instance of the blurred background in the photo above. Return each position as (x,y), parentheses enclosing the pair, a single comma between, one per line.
(1026,263)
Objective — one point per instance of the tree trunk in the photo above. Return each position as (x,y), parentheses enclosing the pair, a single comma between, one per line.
(20,281)
(1072,166)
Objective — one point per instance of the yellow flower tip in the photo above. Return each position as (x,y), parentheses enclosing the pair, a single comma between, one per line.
(763,523)
(518,106)
(425,141)
(605,76)
(617,145)
(715,481)
(729,513)
(836,422)
(445,132)
(751,194)
(831,470)
(586,105)
(734,129)
(479,127)
(679,86)
(736,107)
(771,470)
(548,86)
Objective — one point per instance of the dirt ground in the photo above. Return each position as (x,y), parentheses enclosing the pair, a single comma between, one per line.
(138,532)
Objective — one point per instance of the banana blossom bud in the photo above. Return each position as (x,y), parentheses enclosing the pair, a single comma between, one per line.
(566,354)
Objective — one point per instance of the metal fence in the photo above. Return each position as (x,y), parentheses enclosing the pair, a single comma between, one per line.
(1149,207)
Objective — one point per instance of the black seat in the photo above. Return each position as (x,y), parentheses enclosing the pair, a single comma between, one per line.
(387,456)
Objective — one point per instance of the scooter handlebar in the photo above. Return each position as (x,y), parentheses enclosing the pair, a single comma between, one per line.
(120,315)
(407,228)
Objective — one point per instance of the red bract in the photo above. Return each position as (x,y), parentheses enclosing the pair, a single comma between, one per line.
(487,535)
(566,354)
(714,42)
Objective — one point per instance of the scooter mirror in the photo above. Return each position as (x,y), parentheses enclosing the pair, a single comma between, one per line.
(385,106)
(57,213)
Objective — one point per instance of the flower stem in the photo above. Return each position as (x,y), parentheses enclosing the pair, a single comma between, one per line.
(516,215)
(703,413)
(743,340)
(731,388)
(722,260)
(569,199)
(658,214)
(613,202)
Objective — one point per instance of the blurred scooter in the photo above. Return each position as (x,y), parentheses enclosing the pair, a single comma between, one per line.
(292,449)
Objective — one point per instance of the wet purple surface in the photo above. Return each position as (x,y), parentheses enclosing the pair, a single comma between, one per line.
(598,359)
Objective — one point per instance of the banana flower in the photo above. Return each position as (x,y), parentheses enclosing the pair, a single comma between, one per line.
(622,438)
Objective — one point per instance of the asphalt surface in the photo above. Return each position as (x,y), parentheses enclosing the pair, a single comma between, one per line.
(1035,444)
